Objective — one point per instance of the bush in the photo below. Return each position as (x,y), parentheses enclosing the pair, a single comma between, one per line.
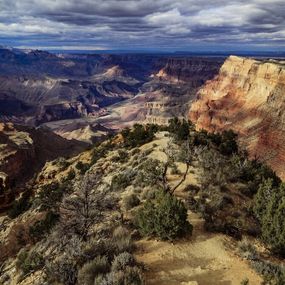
(122,180)
(93,269)
(41,228)
(131,276)
(51,195)
(148,194)
(273,273)
(62,163)
(131,201)
(123,260)
(29,261)
(164,217)
(122,241)
(269,208)
(135,151)
(150,174)
(70,175)
(179,128)
(82,167)
(62,270)
(139,135)
(121,157)
(247,250)
(21,205)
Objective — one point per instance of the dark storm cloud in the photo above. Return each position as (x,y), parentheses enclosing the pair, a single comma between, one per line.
(142,23)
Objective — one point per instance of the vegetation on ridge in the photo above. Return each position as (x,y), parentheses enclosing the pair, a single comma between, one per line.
(86,215)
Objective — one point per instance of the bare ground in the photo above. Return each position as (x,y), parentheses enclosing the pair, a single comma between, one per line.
(203,259)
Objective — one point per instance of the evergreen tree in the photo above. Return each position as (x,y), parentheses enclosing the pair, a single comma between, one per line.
(164,217)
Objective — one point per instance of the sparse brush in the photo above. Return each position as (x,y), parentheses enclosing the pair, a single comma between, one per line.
(123,260)
(29,261)
(122,241)
(131,201)
(90,270)
(63,270)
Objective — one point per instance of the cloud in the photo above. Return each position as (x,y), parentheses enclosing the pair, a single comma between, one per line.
(128,24)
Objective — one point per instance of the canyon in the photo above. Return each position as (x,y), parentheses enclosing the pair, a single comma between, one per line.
(61,120)
(73,93)
(86,97)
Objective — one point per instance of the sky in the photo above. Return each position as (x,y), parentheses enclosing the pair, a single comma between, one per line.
(163,25)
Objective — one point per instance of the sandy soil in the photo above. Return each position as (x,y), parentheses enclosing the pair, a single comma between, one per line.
(203,259)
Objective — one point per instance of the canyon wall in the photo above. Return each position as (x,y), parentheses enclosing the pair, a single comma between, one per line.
(23,151)
(247,96)
(193,71)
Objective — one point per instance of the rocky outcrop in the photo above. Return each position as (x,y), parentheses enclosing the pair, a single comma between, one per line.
(23,151)
(248,97)
(193,71)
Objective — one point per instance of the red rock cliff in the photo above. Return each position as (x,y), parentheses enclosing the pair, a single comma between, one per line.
(247,96)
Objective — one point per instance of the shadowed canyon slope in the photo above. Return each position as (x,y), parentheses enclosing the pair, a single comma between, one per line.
(23,152)
(248,97)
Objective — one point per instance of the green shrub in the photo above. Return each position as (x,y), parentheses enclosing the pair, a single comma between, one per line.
(62,163)
(20,206)
(247,250)
(273,274)
(228,144)
(99,152)
(51,195)
(41,228)
(63,270)
(139,135)
(180,128)
(269,208)
(70,175)
(133,276)
(175,170)
(149,194)
(29,261)
(121,157)
(150,173)
(88,273)
(82,167)
(131,201)
(135,151)
(122,180)
(164,217)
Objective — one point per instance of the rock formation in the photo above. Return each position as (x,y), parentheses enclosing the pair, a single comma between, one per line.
(23,151)
(247,96)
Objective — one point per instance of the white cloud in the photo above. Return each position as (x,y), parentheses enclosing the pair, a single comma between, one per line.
(141,22)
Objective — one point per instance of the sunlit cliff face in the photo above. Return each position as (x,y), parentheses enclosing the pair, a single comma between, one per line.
(248,97)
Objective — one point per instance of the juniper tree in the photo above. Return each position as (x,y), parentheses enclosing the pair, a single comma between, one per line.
(81,210)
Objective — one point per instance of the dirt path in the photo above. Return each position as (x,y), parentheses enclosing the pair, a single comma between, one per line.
(203,259)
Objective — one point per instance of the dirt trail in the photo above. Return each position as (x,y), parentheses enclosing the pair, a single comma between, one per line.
(203,259)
